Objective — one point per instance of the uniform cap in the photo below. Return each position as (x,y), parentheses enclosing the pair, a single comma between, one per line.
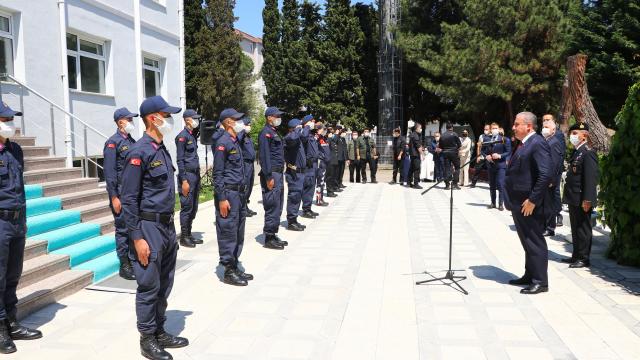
(190,113)
(306,119)
(230,113)
(579,126)
(7,112)
(123,113)
(156,104)
(272,111)
(294,122)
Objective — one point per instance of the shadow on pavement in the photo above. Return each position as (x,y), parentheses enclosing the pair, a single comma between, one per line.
(490,272)
(176,320)
(42,316)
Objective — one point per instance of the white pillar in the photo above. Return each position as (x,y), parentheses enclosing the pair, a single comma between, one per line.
(138,63)
(64,77)
(183,94)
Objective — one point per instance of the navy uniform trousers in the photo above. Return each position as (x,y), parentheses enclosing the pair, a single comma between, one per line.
(189,203)
(496,182)
(230,230)
(249,174)
(155,281)
(582,229)
(12,241)
(309,187)
(122,234)
(273,202)
(530,229)
(295,185)
(320,175)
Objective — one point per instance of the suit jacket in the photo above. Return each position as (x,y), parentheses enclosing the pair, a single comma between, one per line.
(582,177)
(529,173)
(558,148)
(503,147)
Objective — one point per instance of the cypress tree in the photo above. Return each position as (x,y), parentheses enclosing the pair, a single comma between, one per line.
(291,50)
(311,25)
(368,62)
(272,70)
(194,22)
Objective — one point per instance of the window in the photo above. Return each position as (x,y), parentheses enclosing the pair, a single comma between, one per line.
(6,45)
(151,73)
(86,64)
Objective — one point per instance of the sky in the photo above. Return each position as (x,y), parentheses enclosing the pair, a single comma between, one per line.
(249,14)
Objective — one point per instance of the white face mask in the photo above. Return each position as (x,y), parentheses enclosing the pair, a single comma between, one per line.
(166,127)
(495,132)
(129,127)
(277,122)
(419,131)
(546,132)
(238,126)
(344,135)
(366,134)
(247,129)
(7,129)
(487,132)
(574,139)
(195,123)
(355,137)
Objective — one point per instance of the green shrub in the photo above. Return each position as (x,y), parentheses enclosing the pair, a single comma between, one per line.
(620,184)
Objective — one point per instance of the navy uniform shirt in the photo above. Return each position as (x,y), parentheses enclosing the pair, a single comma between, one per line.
(582,177)
(248,150)
(325,149)
(11,179)
(271,150)
(311,149)
(147,183)
(187,153)
(228,167)
(294,150)
(115,153)
(215,136)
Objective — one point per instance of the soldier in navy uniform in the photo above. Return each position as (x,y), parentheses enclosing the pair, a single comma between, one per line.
(497,155)
(295,162)
(188,176)
(13,229)
(115,152)
(148,198)
(552,201)
(311,150)
(229,181)
(398,152)
(271,177)
(249,153)
(323,164)
(580,193)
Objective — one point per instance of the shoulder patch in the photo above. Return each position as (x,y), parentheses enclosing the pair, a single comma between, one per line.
(156,163)
(111,145)
(220,148)
(234,151)
(268,135)
(181,139)
(135,161)
(124,148)
(190,142)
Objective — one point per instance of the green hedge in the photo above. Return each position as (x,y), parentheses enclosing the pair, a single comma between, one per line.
(620,184)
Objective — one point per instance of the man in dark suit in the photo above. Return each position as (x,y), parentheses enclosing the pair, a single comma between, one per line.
(496,155)
(528,176)
(449,146)
(552,203)
(580,194)
(415,153)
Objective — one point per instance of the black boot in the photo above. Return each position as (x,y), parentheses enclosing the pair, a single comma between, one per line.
(231,277)
(295,226)
(314,213)
(308,214)
(280,241)
(168,341)
(271,242)
(150,348)
(185,240)
(126,270)
(19,332)
(243,274)
(6,343)
(194,240)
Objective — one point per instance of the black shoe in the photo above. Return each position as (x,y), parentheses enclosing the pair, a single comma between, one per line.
(307,214)
(392,182)
(251,212)
(501,208)
(447,187)
(520,281)
(534,289)
(549,233)
(492,206)
(270,242)
(194,240)
(472,186)
(185,240)
(364,181)
(150,348)
(331,194)
(231,277)
(342,186)
(337,190)
(374,181)
(126,270)
(580,264)
(456,187)
(568,260)
(417,187)
(280,241)
(295,226)
(19,332)
(314,213)
(244,275)
(168,341)
(7,346)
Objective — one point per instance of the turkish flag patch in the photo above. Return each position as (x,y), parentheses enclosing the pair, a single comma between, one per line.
(135,161)
(181,139)
(111,146)
(268,135)
(221,148)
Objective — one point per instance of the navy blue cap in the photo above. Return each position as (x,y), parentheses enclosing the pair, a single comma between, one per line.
(190,113)
(306,119)
(123,113)
(7,112)
(319,126)
(294,122)
(246,120)
(156,104)
(272,111)
(230,113)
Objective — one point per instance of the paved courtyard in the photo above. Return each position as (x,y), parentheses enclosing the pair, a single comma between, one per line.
(345,289)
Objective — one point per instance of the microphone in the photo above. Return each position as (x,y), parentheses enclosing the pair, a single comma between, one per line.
(492,142)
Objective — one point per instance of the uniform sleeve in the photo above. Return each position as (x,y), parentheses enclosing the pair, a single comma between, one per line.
(110,153)
(304,136)
(181,142)
(219,159)
(292,138)
(264,143)
(557,150)
(542,160)
(131,193)
(590,177)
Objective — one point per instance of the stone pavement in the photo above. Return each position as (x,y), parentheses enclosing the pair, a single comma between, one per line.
(345,289)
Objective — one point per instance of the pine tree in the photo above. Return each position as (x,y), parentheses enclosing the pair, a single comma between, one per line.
(292,52)
(311,30)
(341,86)
(272,69)
(368,62)
(194,22)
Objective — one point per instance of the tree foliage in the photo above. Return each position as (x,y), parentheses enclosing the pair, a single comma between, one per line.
(292,58)
(367,16)
(272,68)
(312,31)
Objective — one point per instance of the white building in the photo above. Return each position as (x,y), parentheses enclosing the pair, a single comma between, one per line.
(252,47)
(89,57)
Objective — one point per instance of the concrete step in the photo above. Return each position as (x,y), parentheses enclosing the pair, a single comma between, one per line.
(51,289)
(94,211)
(46,162)
(106,223)
(24,140)
(85,197)
(34,248)
(35,151)
(57,188)
(41,267)
(42,176)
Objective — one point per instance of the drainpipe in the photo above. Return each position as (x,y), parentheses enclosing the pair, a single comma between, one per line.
(138,52)
(183,95)
(64,77)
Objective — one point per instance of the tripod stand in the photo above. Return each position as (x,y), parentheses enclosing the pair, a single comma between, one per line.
(207,178)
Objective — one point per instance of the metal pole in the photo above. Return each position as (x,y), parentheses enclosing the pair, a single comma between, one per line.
(22,130)
(86,152)
(138,60)
(53,131)
(64,78)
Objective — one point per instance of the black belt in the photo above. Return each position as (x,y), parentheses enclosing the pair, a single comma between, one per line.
(235,187)
(157,217)
(250,161)
(193,171)
(294,168)
(9,214)
(277,169)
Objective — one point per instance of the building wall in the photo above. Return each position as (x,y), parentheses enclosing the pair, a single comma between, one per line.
(254,51)
(38,56)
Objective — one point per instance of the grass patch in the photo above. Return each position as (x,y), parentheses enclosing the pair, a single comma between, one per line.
(206,194)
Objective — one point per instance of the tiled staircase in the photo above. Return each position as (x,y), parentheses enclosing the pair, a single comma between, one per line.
(70,241)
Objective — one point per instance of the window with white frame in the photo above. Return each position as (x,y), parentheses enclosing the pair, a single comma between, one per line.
(6,45)
(86,64)
(151,73)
